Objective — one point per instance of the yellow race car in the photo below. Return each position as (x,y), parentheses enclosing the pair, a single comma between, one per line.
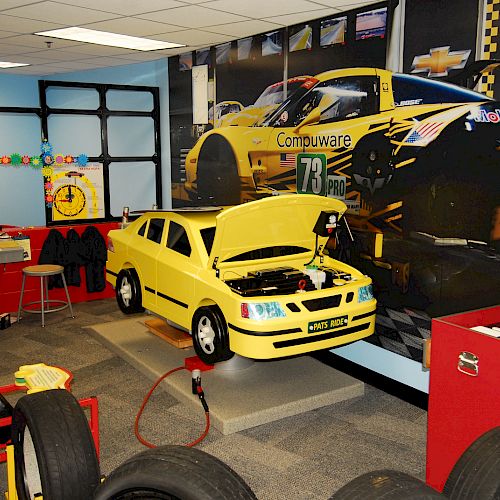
(251,279)
(380,137)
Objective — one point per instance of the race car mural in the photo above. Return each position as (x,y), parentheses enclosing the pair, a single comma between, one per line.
(417,162)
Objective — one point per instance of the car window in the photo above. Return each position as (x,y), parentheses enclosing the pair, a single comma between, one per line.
(155,230)
(178,239)
(208,235)
(268,253)
(337,99)
(409,90)
(142,229)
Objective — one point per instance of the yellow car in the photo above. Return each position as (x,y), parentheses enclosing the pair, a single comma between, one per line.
(250,279)
(384,138)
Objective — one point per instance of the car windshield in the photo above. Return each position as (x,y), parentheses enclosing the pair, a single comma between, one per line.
(268,253)
(289,103)
(208,234)
(274,93)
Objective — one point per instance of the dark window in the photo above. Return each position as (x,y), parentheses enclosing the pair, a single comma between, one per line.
(409,90)
(142,229)
(268,253)
(155,230)
(208,235)
(178,239)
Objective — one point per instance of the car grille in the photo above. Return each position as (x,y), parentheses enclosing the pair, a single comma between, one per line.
(322,303)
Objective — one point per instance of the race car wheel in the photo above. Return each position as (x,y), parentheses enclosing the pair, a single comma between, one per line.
(217,176)
(173,473)
(54,452)
(387,485)
(128,291)
(476,475)
(210,336)
(372,165)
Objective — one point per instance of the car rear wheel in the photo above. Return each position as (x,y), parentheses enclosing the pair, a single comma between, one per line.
(128,291)
(210,335)
(218,181)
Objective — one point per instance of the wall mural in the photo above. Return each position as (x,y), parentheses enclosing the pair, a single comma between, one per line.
(413,157)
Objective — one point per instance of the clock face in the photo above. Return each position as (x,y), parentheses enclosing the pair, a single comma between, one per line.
(69,200)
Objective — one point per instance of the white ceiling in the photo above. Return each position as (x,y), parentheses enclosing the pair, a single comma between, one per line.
(195,23)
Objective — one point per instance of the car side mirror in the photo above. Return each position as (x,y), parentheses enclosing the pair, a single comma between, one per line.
(311,119)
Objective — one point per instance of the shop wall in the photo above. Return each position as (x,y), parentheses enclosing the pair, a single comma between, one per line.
(21,189)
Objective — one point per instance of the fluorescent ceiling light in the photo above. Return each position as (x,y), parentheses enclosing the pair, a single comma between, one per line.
(111,39)
(4,64)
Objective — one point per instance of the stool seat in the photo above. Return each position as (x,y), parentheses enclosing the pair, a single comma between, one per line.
(43,271)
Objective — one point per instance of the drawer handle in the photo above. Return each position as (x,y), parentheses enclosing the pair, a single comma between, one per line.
(468,364)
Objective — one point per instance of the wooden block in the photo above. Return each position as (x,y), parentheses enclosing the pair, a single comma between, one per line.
(172,335)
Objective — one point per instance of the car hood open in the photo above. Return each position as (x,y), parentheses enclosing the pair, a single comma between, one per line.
(286,220)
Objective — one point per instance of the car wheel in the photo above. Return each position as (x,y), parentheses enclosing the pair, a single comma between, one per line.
(128,291)
(210,336)
(54,453)
(387,485)
(172,473)
(217,177)
(476,475)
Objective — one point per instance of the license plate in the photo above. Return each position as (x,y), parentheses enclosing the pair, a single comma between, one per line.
(327,324)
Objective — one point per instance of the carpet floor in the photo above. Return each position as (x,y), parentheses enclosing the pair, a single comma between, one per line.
(307,456)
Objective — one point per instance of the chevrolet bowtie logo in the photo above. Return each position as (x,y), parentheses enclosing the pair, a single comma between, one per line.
(439,61)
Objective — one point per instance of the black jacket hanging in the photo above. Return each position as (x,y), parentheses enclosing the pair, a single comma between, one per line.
(95,259)
(74,258)
(54,252)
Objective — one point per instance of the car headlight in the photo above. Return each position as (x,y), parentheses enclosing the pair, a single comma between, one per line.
(262,311)
(365,293)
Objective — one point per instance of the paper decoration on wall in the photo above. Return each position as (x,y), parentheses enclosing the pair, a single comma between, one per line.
(46,158)
(272,43)
(333,31)
(186,61)
(223,53)
(244,47)
(300,38)
(371,24)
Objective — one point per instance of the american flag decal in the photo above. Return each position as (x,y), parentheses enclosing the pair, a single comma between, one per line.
(425,132)
(287,160)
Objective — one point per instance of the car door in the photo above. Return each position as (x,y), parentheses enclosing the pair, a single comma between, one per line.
(348,132)
(178,267)
(145,252)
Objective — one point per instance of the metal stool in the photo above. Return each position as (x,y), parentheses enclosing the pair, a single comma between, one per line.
(43,271)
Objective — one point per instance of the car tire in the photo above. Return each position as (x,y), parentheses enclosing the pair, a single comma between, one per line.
(217,177)
(174,472)
(128,291)
(387,485)
(476,475)
(210,335)
(54,451)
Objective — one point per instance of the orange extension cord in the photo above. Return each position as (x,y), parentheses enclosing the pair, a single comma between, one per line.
(145,401)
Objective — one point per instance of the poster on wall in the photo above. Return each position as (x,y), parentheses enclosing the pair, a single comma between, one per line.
(300,38)
(371,24)
(77,192)
(272,43)
(333,31)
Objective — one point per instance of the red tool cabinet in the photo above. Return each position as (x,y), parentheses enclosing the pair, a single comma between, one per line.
(464,390)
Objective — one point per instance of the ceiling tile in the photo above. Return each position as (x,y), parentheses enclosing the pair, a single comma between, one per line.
(9,4)
(194,37)
(303,17)
(263,8)
(125,7)
(133,26)
(53,56)
(7,34)
(245,28)
(193,16)
(59,13)
(38,42)
(7,48)
(90,50)
(21,25)
(344,4)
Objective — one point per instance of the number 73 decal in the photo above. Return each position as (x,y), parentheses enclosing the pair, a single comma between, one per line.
(312,177)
